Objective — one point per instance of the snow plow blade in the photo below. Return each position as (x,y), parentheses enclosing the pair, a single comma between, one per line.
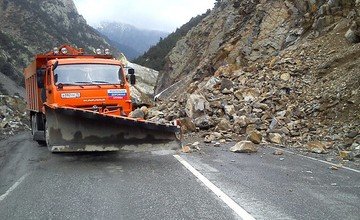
(74,130)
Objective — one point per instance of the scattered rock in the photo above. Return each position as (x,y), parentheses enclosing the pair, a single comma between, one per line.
(242,121)
(224,125)
(244,147)
(217,144)
(226,91)
(209,138)
(316,147)
(255,137)
(186,149)
(137,113)
(250,94)
(13,115)
(195,144)
(204,122)
(355,149)
(285,76)
(226,84)
(145,110)
(187,125)
(346,155)
(352,134)
(217,135)
(278,152)
(230,110)
(275,138)
(334,167)
(353,34)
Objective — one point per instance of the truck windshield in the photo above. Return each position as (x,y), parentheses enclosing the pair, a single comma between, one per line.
(80,74)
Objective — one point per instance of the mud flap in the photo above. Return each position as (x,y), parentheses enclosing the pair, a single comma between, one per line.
(72,130)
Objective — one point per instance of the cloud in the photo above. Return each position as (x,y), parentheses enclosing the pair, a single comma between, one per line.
(164,15)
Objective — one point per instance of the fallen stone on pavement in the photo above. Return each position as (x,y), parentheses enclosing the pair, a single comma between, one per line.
(346,155)
(186,149)
(255,137)
(275,138)
(278,152)
(316,147)
(244,147)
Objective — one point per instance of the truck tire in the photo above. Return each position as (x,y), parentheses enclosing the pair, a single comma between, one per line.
(33,124)
(42,143)
(35,129)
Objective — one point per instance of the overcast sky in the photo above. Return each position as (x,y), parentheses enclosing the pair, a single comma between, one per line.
(165,15)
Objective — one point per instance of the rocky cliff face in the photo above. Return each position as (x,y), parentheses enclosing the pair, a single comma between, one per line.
(239,33)
(28,27)
(287,70)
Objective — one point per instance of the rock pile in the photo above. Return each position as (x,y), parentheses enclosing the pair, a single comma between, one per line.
(288,77)
(268,104)
(13,116)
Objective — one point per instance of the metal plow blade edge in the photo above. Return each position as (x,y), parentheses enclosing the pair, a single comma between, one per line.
(74,130)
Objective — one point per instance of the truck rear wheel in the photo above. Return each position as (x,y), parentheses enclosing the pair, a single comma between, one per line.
(38,135)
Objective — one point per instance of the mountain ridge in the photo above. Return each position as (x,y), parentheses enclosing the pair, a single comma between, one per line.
(132,41)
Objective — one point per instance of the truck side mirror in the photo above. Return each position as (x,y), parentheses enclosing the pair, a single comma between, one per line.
(40,75)
(132,79)
(131,71)
(56,64)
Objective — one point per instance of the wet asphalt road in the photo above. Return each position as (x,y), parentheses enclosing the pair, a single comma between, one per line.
(154,185)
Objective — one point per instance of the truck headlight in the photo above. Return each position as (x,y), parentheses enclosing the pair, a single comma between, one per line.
(64,50)
(107,51)
(98,51)
(56,50)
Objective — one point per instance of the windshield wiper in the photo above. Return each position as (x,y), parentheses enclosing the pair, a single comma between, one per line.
(105,82)
(102,82)
(84,82)
(68,84)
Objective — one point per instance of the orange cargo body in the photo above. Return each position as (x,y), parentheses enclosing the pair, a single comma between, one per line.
(34,102)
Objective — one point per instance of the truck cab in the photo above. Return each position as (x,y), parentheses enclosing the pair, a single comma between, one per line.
(93,84)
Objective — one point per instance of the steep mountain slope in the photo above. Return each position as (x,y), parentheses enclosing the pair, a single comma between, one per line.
(287,71)
(155,57)
(28,27)
(130,40)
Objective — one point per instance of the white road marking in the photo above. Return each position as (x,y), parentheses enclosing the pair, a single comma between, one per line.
(311,158)
(13,187)
(225,198)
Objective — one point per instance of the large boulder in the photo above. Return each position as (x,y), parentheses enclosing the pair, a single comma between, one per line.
(196,106)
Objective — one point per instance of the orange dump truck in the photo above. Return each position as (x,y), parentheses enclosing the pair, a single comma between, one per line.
(81,102)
